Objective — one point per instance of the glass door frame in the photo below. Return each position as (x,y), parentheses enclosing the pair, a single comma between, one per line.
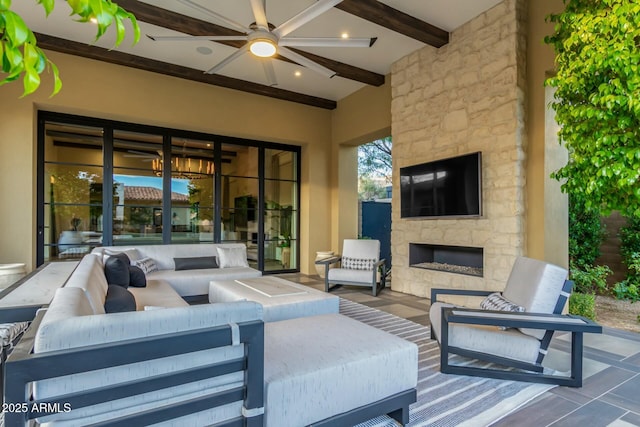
(108,127)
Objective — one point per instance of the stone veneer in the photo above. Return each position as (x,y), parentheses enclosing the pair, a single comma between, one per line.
(467,96)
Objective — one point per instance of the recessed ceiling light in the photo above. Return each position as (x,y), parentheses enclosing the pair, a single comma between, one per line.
(297,73)
(204,50)
(345,35)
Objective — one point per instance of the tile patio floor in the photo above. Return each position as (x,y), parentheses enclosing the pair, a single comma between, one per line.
(610,395)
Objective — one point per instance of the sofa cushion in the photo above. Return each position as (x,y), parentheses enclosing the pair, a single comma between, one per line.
(195,263)
(68,302)
(196,282)
(116,270)
(95,330)
(118,300)
(137,278)
(147,265)
(320,366)
(89,276)
(158,293)
(232,257)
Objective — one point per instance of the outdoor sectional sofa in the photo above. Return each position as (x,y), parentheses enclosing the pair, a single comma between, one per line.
(200,365)
(189,282)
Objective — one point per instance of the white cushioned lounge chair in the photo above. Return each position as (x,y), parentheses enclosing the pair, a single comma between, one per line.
(360,265)
(512,329)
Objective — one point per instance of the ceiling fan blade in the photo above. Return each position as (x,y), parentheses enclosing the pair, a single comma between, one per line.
(191,38)
(287,53)
(237,54)
(269,71)
(228,22)
(327,42)
(260,13)
(310,13)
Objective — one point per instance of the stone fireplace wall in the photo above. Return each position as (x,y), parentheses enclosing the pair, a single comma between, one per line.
(465,97)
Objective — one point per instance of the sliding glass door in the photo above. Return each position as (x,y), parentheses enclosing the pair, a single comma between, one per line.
(103,183)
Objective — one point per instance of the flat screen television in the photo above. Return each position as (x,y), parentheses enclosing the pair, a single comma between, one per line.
(448,187)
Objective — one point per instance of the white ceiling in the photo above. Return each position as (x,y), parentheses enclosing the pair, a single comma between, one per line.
(390,46)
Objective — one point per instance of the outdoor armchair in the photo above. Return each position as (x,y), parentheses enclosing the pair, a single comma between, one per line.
(360,265)
(512,330)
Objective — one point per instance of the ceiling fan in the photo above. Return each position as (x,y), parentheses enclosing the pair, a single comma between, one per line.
(264,40)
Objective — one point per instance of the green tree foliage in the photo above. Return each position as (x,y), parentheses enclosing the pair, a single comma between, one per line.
(585,232)
(374,169)
(598,100)
(374,158)
(20,55)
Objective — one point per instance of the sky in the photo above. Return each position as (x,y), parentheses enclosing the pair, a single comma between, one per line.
(177,185)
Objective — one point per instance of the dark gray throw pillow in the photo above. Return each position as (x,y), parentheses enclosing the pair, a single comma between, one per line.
(118,300)
(116,270)
(195,263)
(137,279)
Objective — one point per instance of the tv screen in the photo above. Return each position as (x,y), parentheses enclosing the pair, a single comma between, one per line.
(448,187)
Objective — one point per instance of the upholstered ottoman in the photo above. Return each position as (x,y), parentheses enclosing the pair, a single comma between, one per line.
(281,299)
(322,366)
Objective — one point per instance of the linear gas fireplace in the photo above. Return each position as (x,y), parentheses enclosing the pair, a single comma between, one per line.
(452,259)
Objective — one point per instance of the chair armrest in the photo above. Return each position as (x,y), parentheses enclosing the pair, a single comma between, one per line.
(329,261)
(468,292)
(510,319)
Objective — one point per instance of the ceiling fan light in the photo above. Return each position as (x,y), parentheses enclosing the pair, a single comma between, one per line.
(263,48)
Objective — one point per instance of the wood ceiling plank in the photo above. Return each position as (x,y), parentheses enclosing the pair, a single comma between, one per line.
(395,20)
(120,58)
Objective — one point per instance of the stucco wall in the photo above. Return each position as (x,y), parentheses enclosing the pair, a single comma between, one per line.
(467,96)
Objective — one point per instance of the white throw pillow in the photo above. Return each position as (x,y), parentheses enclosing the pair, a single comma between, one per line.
(232,257)
(147,265)
(132,253)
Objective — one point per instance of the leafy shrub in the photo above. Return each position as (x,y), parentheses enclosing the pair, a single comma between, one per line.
(629,288)
(626,290)
(586,232)
(590,279)
(583,305)
(630,239)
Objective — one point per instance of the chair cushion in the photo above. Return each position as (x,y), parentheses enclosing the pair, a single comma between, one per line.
(510,343)
(349,275)
(536,286)
(361,248)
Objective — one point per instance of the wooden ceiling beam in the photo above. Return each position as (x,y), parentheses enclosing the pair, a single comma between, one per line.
(120,58)
(185,24)
(395,20)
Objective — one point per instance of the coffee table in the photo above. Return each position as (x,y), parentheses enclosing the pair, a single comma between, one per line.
(280,298)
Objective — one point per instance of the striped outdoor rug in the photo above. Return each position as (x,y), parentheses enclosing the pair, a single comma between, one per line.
(444,400)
